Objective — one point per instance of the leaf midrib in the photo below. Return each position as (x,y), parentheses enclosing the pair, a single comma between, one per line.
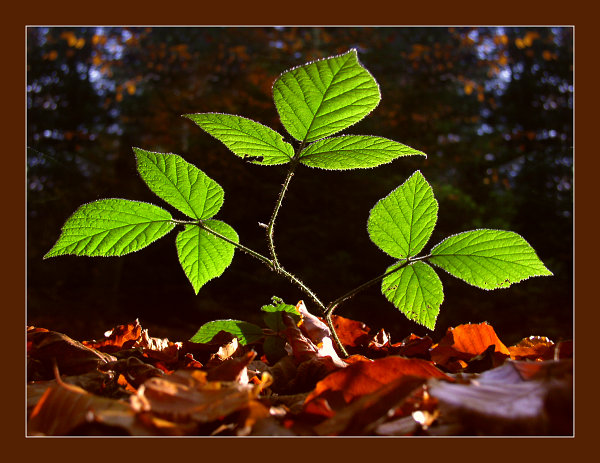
(314,118)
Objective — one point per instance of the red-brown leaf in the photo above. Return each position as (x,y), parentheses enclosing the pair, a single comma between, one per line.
(343,386)
(313,327)
(351,333)
(467,341)
(361,416)
(188,395)
(532,348)
(120,337)
(64,407)
(72,357)
(413,346)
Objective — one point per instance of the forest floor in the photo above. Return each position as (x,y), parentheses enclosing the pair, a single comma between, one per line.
(131,384)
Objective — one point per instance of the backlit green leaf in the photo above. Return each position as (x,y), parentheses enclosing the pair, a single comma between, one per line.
(272,317)
(179,183)
(402,222)
(250,140)
(245,332)
(354,152)
(111,227)
(416,290)
(321,98)
(204,256)
(488,259)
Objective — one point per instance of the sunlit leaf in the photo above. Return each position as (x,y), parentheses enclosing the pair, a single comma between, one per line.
(321,98)
(488,259)
(351,332)
(245,332)
(362,378)
(250,140)
(203,255)
(354,152)
(180,183)
(467,341)
(402,222)
(272,316)
(416,290)
(111,227)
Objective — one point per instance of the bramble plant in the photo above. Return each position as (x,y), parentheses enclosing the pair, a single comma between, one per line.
(314,101)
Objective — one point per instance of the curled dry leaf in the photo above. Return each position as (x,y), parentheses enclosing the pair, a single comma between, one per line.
(533,348)
(413,346)
(313,327)
(119,338)
(133,370)
(352,333)
(303,348)
(344,386)
(63,408)
(232,369)
(189,396)
(362,416)
(463,343)
(231,349)
(72,357)
(131,335)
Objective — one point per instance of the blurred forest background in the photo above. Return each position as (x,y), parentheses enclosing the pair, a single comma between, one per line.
(492,107)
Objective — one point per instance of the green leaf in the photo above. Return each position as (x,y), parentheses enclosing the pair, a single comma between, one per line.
(273,311)
(488,259)
(250,140)
(416,290)
(321,98)
(402,222)
(354,152)
(179,183)
(245,332)
(204,256)
(111,227)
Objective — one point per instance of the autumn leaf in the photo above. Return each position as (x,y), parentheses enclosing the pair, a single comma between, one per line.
(352,333)
(465,342)
(191,396)
(72,357)
(361,416)
(120,337)
(343,386)
(501,402)
(79,409)
(532,348)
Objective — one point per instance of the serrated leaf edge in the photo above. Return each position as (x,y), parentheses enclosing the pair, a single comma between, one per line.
(432,261)
(351,50)
(46,256)
(187,116)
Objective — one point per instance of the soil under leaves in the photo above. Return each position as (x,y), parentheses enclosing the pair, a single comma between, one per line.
(468,383)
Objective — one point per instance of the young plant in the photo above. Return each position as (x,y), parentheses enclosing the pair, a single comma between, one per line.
(247,333)
(315,102)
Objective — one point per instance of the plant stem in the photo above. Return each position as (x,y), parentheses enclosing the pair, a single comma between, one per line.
(263,259)
(280,270)
(332,305)
(271,225)
(334,334)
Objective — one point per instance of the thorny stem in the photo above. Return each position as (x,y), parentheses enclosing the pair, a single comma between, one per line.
(263,259)
(302,286)
(334,304)
(275,266)
(284,187)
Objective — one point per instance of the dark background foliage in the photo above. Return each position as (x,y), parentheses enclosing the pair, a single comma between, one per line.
(492,108)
